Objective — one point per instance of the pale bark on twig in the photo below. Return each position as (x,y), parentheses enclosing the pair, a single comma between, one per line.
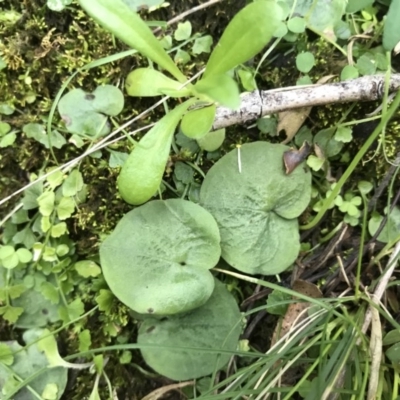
(259,103)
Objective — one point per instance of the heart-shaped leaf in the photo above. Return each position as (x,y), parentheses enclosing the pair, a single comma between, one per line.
(157,260)
(216,326)
(86,113)
(255,205)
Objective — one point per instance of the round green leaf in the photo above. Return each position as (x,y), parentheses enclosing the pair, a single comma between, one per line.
(24,255)
(305,61)
(216,325)
(108,99)
(87,268)
(212,140)
(349,72)
(255,208)
(8,257)
(196,123)
(4,128)
(157,259)
(297,25)
(391,230)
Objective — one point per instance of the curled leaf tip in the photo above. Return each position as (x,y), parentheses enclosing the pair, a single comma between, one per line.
(293,158)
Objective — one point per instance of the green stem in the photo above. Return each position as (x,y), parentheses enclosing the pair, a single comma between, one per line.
(354,163)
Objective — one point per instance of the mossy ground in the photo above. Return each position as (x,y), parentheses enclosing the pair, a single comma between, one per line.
(42,49)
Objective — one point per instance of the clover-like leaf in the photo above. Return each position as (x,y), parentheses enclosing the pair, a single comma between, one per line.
(86,113)
(27,362)
(256,207)
(214,326)
(157,259)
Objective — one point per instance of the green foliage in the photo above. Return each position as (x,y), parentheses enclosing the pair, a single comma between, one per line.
(119,19)
(212,327)
(391,34)
(26,362)
(212,141)
(141,174)
(49,266)
(197,123)
(391,230)
(157,259)
(85,114)
(262,193)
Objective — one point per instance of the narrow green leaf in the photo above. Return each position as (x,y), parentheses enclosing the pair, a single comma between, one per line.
(119,19)
(248,32)
(147,82)
(220,88)
(142,172)
(196,123)
(391,31)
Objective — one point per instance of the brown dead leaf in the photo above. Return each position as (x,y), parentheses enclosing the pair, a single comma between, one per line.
(292,158)
(296,312)
(291,121)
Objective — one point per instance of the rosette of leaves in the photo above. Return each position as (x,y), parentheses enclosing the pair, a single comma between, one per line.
(247,34)
(214,326)
(157,259)
(257,208)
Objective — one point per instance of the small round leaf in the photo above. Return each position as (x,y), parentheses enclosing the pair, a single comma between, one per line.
(305,61)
